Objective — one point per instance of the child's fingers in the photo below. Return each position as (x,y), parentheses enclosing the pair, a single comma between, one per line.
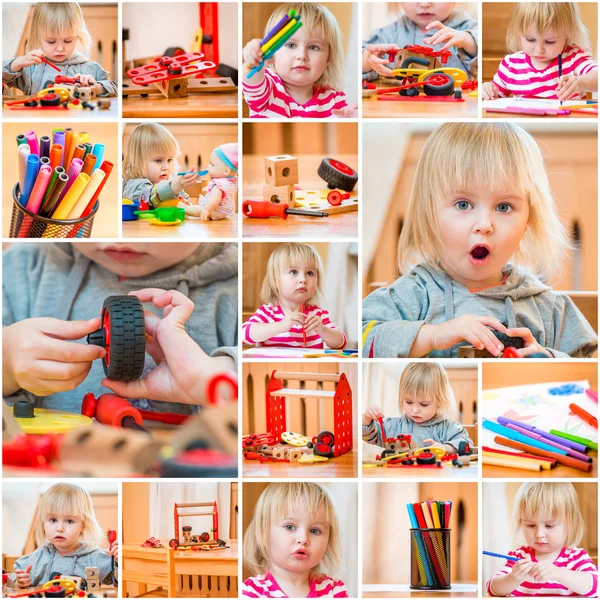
(129,389)
(434,24)
(69,352)
(68,330)
(46,387)
(522,332)
(492,322)
(59,371)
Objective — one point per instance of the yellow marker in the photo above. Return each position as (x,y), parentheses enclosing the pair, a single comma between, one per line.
(70,198)
(81,204)
(278,36)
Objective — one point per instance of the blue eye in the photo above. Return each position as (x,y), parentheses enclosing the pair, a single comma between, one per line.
(289,527)
(504,208)
(463,205)
(316,531)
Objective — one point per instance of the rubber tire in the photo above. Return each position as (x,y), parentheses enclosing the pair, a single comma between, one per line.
(173,50)
(224,70)
(329,438)
(335,178)
(506,340)
(438,90)
(323,450)
(464,448)
(408,461)
(61,593)
(426,459)
(174,543)
(127,338)
(204,536)
(50,100)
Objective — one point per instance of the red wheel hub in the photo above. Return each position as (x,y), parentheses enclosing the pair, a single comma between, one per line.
(334,198)
(106,328)
(341,167)
(438,79)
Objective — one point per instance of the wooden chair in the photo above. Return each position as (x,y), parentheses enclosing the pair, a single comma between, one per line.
(150,569)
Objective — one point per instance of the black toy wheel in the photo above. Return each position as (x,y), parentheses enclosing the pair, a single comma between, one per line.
(123,336)
(426,458)
(174,543)
(50,100)
(337,175)
(56,591)
(408,462)
(438,84)
(323,450)
(224,70)
(506,340)
(464,448)
(174,51)
(326,437)
(204,536)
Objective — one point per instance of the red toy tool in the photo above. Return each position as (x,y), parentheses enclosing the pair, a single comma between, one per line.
(112,537)
(44,59)
(167,67)
(383,436)
(259,209)
(335,197)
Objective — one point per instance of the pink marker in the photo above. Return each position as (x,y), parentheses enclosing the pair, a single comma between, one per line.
(33,142)
(35,198)
(592,394)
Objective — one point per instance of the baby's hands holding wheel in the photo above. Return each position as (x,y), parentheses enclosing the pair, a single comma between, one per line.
(182,367)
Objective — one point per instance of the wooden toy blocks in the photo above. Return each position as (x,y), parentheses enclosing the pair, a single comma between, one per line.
(280,194)
(281,170)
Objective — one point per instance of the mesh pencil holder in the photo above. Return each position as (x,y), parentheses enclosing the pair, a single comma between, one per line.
(430,559)
(26,224)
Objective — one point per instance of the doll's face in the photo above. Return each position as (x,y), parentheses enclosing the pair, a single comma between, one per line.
(59,47)
(543,47)
(137,259)
(63,531)
(217,168)
(544,532)
(423,13)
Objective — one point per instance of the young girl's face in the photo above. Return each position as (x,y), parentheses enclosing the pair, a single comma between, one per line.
(160,168)
(302,59)
(420,410)
(63,531)
(479,231)
(298,283)
(543,47)
(544,532)
(299,540)
(59,47)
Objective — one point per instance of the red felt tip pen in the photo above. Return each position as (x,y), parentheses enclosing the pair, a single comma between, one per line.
(303,330)
(585,415)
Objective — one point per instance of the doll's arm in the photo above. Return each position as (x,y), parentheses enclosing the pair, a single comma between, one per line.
(213,198)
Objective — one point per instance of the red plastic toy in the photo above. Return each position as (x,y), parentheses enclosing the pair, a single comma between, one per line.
(167,67)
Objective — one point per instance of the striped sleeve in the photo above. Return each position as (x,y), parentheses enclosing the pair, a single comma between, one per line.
(499,79)
(331,588)
(506,569)
(262,315)
(259,97)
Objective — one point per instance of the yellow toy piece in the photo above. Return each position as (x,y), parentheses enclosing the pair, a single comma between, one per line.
(312,458)
(294,439)
(459,76)
(69,585)
(395,456)
(163,223)
(52,421)
(127,201)
(438,452)
(62,93)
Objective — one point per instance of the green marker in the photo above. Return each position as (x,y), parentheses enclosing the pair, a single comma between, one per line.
(574,438)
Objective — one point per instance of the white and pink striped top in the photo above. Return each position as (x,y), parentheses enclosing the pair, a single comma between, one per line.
(574,559)
(517,76)
(228,185)
(294,338)
(265,586)
(270,99)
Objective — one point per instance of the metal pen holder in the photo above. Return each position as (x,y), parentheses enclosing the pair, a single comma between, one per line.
(26,224)
(430,559)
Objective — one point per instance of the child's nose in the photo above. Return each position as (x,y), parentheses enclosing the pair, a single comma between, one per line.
(483,224)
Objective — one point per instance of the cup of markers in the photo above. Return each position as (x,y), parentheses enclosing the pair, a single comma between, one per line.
(60,179)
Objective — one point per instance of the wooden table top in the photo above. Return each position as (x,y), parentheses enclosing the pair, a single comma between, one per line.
(190,229)
(227,554)
(561,471)
(344,466)
(72,113)
(343,225)
(446,472)
(504,115)
(223,105)
(373,108)
(459,590)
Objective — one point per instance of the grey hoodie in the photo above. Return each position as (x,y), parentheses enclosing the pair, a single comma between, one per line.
(429,295)
(31,80)
(438,429)
(135,189)
(46,560)
(404,32)
(54,280)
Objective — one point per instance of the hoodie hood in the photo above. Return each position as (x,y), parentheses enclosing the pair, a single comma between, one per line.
(77,58)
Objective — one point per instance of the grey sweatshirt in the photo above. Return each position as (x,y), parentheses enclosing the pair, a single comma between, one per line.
(46,560)
(33,79)
(429,295)
(438,429)
(54,280)
(406,32)
(154,193)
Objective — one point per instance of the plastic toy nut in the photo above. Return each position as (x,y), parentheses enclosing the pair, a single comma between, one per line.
(294,439)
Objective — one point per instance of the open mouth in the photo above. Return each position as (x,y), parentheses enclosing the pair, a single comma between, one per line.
(301,554)
(479,252)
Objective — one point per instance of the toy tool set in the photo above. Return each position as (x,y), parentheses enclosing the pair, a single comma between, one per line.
(60,180)
(281,445)
(186,540)
(430,545)
(283,197)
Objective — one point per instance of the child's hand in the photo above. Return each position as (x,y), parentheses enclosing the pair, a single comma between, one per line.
(373,413)
(348,112)
(431,443)
(34,57)
(451,37)
(182,366)
(86,80)
(313,323)
(38,358)
(114,549)
(568,86)
(294,318)
(470,328)
(489,91)
(184,181)
(252,54)
(521,569)
(23,576)
(531,344)
(543,572)
(373,61)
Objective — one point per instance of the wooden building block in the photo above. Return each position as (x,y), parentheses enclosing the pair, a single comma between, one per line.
(281,170)
(173,88)
(85,94)
(280,194)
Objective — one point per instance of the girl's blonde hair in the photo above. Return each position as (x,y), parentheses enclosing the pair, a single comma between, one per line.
(147,141)
(274,504)
(285,256)
(68,499)
(315,16)
(428,380)
(50,19)
(496,156)
(557,499)
(558,16)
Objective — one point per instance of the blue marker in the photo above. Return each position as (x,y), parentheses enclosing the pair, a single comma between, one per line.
(504,556)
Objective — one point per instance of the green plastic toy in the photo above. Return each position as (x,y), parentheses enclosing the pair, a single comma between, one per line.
(166,214)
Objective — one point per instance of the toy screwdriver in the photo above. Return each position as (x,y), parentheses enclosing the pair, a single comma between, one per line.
(261,210)
(112,536)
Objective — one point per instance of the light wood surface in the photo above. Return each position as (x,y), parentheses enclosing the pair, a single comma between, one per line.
(371,107)
(448,471)
(560,472)
(343,466)
(190,229)
(106,221)
(78,114)
(344,225)
(510,116)
(222,105)
(394,592)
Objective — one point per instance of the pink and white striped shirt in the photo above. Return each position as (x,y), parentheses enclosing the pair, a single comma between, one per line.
(229,186)
(517,76)
(270,99)
(265,586)
(294,338)
(574,559)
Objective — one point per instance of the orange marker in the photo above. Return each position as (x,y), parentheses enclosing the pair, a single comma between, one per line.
(56,152)
(585,415)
